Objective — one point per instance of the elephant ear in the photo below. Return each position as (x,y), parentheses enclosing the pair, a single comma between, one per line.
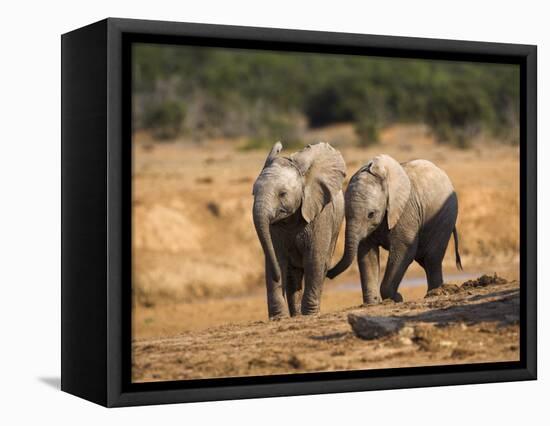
(398,185)
(273,153)
(324,170)
(275,150)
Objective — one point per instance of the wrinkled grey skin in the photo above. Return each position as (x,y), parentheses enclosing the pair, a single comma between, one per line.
(409,209)
(298,210)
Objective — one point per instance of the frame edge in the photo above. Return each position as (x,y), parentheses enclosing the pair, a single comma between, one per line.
(116,396)
(83,255)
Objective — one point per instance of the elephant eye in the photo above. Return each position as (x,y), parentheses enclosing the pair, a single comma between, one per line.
(371,215)
(282,194)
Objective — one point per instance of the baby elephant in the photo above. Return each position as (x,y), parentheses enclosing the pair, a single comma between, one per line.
(409,209)
(298,210)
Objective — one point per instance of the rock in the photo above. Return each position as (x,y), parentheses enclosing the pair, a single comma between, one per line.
(213,208)
(407,331)
(484,281)
(424,337)
(405,341)
(368,327)
(444,290)
(461,353)
(296,362)
(509,320)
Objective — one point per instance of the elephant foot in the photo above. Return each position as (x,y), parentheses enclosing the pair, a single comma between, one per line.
(278,317)
(371,300)
(276,309)
(310,311)
(387,295)
(294,309)
(310,306)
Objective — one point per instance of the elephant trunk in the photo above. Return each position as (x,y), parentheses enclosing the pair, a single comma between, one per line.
(261,223)
(350,248)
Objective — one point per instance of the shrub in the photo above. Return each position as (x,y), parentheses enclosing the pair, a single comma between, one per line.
(328,105)
(233,93)
(457,113)
(252,144)
(287,128)
(367,131)
(165,120)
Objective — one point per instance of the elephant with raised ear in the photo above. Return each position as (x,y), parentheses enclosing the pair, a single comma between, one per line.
(409,209)
(298,210)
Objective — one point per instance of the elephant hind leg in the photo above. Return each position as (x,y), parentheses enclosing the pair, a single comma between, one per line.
(434,272)
(294,290)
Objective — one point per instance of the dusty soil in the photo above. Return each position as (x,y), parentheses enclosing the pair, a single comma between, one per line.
(473,323)
(169,319)
(199,299)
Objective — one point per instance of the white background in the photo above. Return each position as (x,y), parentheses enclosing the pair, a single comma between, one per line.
(30,210)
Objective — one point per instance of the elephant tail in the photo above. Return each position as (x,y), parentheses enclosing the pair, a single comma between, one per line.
(457,254)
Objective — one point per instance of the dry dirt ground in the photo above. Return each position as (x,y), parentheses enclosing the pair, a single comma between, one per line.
(199,307)
(472,323)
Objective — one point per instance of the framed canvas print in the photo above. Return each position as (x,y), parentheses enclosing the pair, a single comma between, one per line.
(253,212)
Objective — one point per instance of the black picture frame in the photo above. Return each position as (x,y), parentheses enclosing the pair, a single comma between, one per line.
(96,212)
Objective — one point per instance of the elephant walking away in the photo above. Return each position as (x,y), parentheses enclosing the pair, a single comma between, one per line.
(409,209)
(298,210)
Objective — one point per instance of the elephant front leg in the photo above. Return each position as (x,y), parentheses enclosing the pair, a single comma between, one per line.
(399,259)
(314,275)
(368,260)
(294,290)
(275,301)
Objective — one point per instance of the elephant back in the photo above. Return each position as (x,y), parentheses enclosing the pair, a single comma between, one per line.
(432,186)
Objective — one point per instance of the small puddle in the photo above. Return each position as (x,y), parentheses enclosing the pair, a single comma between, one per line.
(413,281)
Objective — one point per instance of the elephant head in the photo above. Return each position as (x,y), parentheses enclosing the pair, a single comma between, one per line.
(305,181)
(377,191)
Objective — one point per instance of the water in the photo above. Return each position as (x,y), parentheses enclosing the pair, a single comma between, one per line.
(414,281)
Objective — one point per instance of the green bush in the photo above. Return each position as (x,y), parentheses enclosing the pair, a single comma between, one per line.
(367,132)
(165,120)
(271,128)
(328,105)
(253,144)
(457,112)
(257,94)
